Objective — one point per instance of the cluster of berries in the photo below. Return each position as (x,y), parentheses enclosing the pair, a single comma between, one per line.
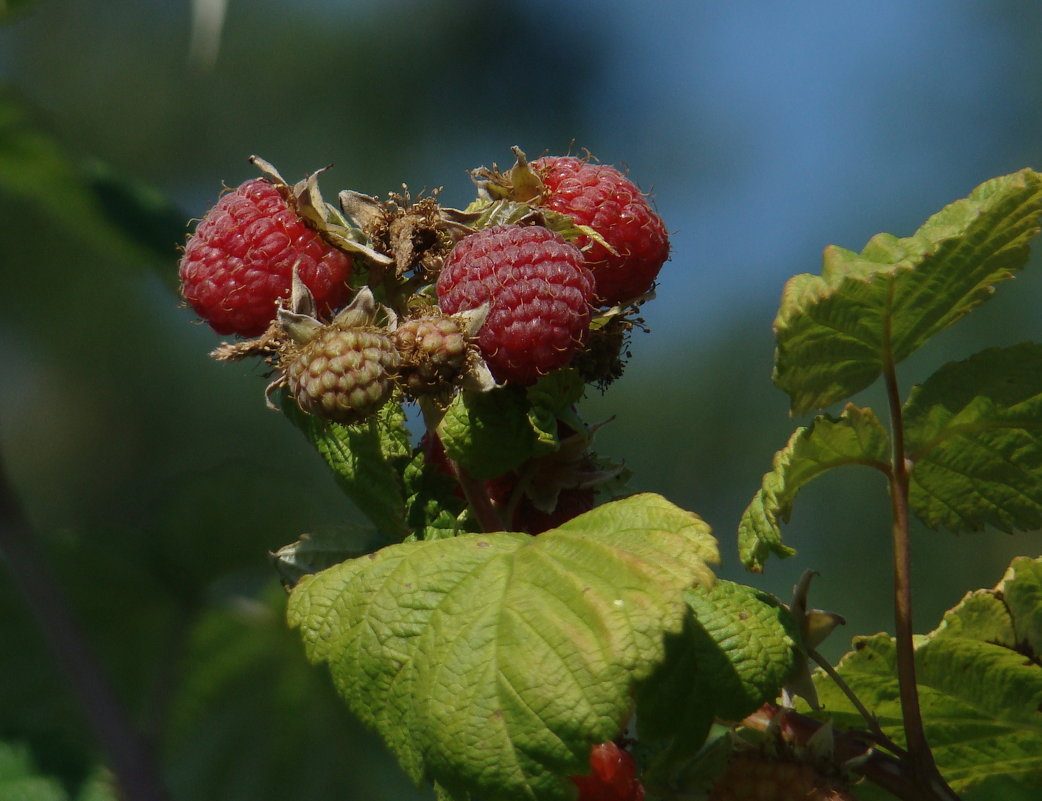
(356,304)
(531,275)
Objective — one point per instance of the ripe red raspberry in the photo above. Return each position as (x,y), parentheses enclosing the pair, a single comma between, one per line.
(603,198)
(538,290)
(343,374)
(240,261)
(613,776)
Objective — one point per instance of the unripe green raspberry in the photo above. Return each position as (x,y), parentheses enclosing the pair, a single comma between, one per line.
(433,351)
(343,374)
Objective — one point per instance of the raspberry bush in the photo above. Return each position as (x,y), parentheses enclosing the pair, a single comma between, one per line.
(532,628)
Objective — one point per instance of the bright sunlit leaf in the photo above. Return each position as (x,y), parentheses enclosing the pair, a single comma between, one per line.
(492,662)
(737,648)
(836,331)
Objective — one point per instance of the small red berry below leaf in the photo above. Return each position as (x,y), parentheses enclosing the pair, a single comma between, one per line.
(612,777)
(538,290)
(240,260)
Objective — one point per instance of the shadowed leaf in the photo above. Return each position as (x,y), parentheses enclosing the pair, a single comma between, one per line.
(856,437)
(974,435)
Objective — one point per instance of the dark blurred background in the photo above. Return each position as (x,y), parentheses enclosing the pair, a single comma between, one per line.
(157,481)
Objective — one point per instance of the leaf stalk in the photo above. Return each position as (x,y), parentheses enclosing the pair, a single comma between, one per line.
(924,767)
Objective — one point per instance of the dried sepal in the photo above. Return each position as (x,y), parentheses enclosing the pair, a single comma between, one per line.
(815,625)
(415,235)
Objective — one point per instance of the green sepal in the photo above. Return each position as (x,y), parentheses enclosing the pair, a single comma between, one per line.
(980,688)
(367,460)
(550,398)
(737,648)
(488,433)
(856,437)
(491,663)
(486,214)
(835,331)
(314,552)
(972,435)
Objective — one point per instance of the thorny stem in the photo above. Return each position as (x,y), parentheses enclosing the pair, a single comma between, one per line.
(126,752)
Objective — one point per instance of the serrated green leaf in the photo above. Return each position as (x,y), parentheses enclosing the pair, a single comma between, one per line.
(488,433)
(980,616)
(1021,590)
(366,459)
(836,331)
(856,437)
(974,435)
(736,650)
(980,693)
(492,662)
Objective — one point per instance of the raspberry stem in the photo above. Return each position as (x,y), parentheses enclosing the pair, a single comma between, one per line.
(473,490)
(477,498)
(920,757)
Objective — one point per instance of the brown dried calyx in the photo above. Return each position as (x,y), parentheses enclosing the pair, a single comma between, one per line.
(415,235)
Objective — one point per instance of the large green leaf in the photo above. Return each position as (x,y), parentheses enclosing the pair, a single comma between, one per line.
(856,437)
(492,662)
(367,460)
(980,687)
(974,435)
(736,650)
(837,330)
